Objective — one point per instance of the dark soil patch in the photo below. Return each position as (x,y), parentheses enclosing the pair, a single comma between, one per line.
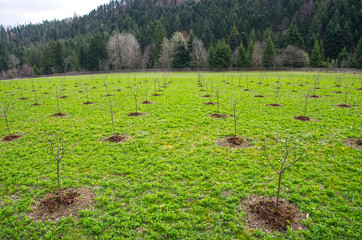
(46,93)
(217,115)
(94,87)
(147,102)
(344,105)
(205,96)
(202,90)
(80,91)
(23,98)
(261,96)
(318,88)
(209,103)
(159,90)
(11,137)
(313,96)
(59,115)
(261,213)
(293,91)
(136,114)
(339,92)
(234,142)
(301,85)
(87,103)
(118,90)
(63,96)
(116,138)
(274,105)
(247,90)
(108,95)
(36,104)
(51,208)
(288,83)
(359,88)
(156,95)
(337,85)
(302,118)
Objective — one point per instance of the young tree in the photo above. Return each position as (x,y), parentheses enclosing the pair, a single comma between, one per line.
(87,93)
(6,109)
(316,58)
(304,116)
(234,38)
(198,54)
(242,57)
(289,150)
(269,53)
(159,35)
(58,147)
(220,57)
(358,54)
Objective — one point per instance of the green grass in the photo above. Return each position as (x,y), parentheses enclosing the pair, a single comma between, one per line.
(171,181)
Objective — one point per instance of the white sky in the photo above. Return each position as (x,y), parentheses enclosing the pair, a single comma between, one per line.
(13,12)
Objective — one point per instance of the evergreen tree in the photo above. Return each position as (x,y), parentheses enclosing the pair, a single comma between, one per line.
(220,57)
(92,56)
(159,35)
(268,53)
(58,58)
(182,57)
(234,38)
(342,57)
(358,54)
(333,39)
(48,57)
(243,59)
(293,37)
(316,58)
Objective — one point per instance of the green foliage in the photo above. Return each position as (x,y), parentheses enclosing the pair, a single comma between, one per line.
(316,57)
(220,56)
(234,38)
(269,52)
(358,54)
(243,59)
(182,57)
(159,35)
(293,37)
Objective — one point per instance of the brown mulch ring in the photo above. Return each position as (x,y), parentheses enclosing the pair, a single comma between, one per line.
(118,90)
(209,103)
(234,142)
(313,96)
(337,85)
(261,214)
(205,96)
(274,105)
(46,93)
(59,115)
(259,96)
(147,102)
(23,98)
(355,143)
(247,90)
(217,115)
(63,96)
(344,106)
(11,137)
(116,139)
(339,92)
(87,103)
(156,95)
(36,104)
(136,114)
(302,118)
(51,208)
(108,95)
(202,90)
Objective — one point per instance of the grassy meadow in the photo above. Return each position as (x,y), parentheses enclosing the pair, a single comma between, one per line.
(170,180)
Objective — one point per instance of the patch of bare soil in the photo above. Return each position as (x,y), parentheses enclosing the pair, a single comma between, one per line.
(234,142)
(52,208)
(209,103)
(23,98)
(294,91)
(94,87)
(87,103)
(63,96)
(116,138)
(159,90)
(147,102)
(355,143)
(247,90)
(59,115)
(118,90)
(156,95)
(217,115)
(359,88)
(313,96)
(262,214)
(302,118)
(344,106)
(80,91)
(202,90)
(337,85)
(274,105)
(11,137)
(136,114)
(46,93)
(339,92)
(207,95)
(261,96)
(36,104)
(108,95)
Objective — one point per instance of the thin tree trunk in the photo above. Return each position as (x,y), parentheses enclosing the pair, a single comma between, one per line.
(306,104)
(7,123)
(59,192)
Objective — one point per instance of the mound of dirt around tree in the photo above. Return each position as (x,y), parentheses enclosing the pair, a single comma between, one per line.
(274,105)
(87,103)
(209,103)
(23,98)
(234,142)
(52,207)
(339,92)
(59,115)
(359,142)
(116,138)
(206,96)
(355,143)
(63,96)
(259,96)
(136,114)
(344,105)
(313,96)
(302,118)
(36,104)
(217,115)
(108,95)
(247,90)
(263,214)
(147,102)
(156,95)
(12,137)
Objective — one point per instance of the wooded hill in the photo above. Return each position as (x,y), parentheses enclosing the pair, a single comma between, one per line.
(183,34)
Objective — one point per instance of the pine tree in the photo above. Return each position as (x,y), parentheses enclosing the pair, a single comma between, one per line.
(234,38)
(220,57)
(242,57)
(182,57)
(159,35)
(293,37)
(58,58)
(358,54)
(269,52)
(316,58)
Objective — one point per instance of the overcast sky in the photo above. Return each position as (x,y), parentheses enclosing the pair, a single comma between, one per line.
(13,12)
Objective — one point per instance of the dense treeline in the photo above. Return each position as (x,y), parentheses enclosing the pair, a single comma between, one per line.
(179,34)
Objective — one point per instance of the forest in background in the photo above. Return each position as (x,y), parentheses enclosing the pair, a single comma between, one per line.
(218,34)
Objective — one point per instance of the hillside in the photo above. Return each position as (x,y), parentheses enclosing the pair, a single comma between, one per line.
(334,24)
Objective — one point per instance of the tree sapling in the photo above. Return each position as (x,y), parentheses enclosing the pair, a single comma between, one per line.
(304,117)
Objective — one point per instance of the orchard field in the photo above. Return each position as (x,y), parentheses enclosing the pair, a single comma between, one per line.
(173,175)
